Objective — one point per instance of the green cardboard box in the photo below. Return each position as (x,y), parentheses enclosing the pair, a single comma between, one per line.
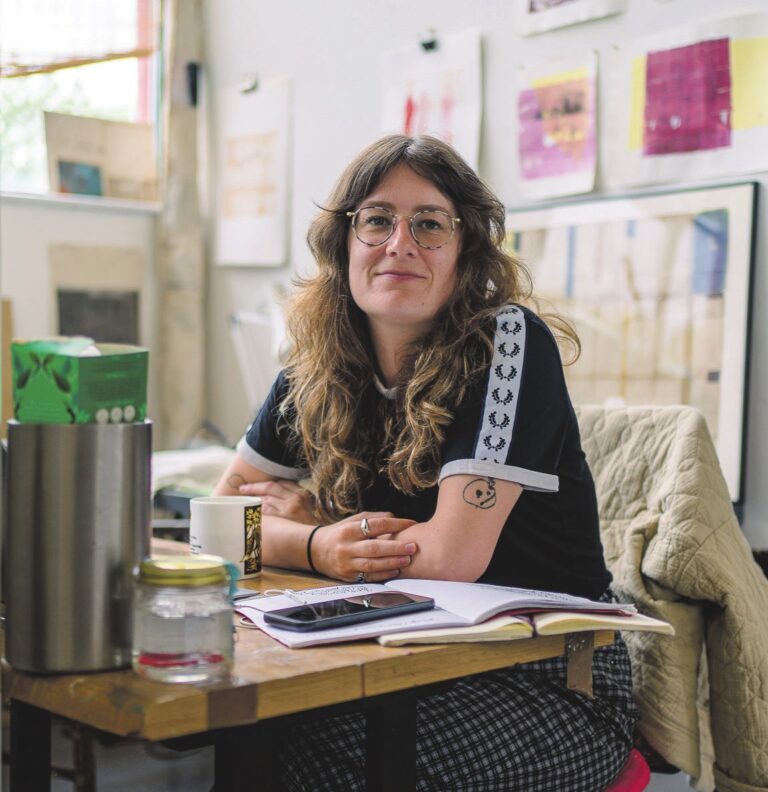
(74,380)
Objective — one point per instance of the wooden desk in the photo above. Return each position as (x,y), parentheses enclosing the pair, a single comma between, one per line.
(270,686)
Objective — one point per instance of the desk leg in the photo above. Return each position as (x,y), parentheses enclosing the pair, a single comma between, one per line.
(391,744)
(30,769)
(245,760)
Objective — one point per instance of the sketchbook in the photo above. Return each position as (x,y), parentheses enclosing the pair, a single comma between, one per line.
(509,628)
(456,605)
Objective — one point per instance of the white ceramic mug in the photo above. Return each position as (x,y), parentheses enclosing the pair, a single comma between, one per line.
(228,526)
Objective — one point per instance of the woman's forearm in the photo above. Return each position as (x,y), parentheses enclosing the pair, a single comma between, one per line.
(284,542)
(457,543)
(443,555)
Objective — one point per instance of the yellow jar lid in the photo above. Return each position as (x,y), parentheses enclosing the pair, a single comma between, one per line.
(193,570)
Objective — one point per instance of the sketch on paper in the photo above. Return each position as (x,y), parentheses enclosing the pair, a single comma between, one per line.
(691,103)
(537,16)
(557,127)
(250,176)
(436,92)
(252,223)
(658,288)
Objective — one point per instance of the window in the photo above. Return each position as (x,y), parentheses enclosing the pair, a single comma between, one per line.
(83,57)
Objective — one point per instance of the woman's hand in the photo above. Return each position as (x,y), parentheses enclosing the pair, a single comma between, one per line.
(342,550)
(283,498)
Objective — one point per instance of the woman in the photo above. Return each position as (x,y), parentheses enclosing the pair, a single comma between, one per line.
(430,409)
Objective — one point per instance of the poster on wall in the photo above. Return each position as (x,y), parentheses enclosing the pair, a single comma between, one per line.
(690,103)
(557,127)
(252,206)
(658,289)
(99,292)
(436,92)
(537,16)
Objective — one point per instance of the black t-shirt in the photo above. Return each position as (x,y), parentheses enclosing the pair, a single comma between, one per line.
(517,425)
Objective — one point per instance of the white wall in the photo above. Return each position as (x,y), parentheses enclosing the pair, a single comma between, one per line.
(332,50)
(28,225)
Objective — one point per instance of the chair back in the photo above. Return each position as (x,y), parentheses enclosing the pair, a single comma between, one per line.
(675,548)
(255,335)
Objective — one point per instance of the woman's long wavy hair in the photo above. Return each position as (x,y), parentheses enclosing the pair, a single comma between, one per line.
(330,367)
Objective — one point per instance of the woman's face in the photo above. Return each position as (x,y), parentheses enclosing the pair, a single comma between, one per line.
(399,284)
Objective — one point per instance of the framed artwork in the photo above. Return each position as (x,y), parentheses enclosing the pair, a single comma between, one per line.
(537,16)
(658,288)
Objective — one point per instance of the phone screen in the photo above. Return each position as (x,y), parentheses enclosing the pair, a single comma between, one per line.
(349,610)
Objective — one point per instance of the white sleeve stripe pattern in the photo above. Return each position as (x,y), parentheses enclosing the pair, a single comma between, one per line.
(527,479)
(501,397)
(266,465)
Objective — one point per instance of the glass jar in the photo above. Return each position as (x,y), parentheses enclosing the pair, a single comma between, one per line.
(183,628)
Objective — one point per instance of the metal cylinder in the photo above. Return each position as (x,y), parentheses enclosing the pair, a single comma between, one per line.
(77,524)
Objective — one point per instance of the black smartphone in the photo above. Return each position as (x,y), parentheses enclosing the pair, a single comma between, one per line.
(244,593)
(349,610)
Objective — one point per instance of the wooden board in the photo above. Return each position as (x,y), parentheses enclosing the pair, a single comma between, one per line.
(6,333)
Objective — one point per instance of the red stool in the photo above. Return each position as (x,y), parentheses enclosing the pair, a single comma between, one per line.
(634,776)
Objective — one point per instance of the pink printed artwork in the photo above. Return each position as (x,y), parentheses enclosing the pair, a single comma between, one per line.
(409,112)
(557,130)
(432,112)
(688,98)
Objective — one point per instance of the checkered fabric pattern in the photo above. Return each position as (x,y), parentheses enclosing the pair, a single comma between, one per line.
(515,730)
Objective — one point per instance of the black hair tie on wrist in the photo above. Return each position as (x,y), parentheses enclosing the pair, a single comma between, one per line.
(309,548)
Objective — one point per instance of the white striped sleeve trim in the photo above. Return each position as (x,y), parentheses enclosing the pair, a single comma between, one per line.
(502,395)
(265,465)
(527,479)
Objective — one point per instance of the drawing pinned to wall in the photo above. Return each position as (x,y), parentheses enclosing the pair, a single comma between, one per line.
(537,16)
(691,103)
(437,91)
(557,127)
(658,288)
(252,223)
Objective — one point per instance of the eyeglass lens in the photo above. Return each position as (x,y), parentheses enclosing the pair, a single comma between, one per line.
(431,228)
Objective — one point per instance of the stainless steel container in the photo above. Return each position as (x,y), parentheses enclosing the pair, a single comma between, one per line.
(77,523)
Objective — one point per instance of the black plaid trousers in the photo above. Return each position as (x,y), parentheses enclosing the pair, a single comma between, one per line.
(518,729)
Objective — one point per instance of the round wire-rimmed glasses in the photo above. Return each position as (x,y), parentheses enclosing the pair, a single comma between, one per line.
(430,228)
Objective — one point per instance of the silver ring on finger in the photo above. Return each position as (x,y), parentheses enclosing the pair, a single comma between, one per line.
(365,528)
(361,577)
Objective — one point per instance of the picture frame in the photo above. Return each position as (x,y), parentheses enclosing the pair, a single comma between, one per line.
(539,16)
(657,285)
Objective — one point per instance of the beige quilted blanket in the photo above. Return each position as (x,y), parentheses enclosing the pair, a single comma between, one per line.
(675,548)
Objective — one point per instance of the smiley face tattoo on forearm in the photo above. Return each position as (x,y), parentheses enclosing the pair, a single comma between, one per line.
(480,493)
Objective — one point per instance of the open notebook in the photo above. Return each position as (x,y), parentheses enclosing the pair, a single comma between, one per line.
(457,605)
